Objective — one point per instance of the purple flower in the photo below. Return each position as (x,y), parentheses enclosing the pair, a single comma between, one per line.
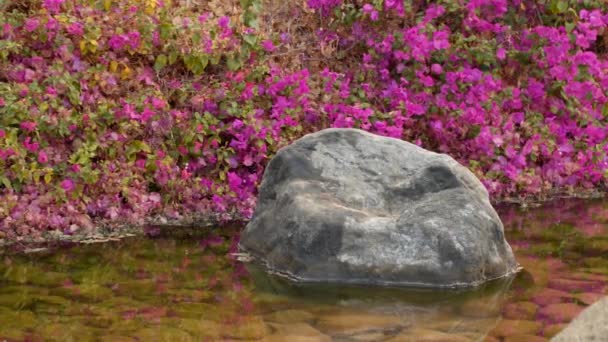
(285,38)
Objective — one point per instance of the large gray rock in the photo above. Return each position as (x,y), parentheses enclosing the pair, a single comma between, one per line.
(590,325)
(344,205)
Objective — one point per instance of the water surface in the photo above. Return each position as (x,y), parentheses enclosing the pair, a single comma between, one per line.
(142,289)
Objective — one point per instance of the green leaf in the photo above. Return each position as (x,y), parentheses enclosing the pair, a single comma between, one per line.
(165,30)
(172,57)
(250,39)
(161,61)
(233,64)
(562,6)
(570,26)
(6,182)
(473,132)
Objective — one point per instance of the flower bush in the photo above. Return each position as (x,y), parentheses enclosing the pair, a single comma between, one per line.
(118,110)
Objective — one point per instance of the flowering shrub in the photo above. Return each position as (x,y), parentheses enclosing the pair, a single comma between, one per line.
(116,110)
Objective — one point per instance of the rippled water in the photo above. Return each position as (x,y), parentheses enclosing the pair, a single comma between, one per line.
(192,290)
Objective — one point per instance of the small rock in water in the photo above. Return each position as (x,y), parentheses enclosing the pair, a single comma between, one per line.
(344,205)
(590,325)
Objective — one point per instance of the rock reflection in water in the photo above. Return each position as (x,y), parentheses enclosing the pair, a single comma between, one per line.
(357,313)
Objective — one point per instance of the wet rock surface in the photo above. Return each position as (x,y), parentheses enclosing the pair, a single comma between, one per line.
(343,205)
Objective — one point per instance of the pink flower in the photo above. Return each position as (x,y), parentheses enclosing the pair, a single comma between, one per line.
(76,29)
(31,24)
(158,103)
(436,69)
(2,103)
(268,45)
(156,38)
(53,6)
(51,91)
(236,124)
(223,22)
(219,203)
(117,42)
(67,185)
(134,38)
(234,181)
(369,9)
(203,18)
(501,54)
(42,157)
(2,133)
(28,126)
(52,24)
(75,168)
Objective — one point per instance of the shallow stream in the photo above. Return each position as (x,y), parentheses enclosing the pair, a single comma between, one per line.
(142,289)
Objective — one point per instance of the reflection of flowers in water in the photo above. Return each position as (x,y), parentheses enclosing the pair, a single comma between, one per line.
(211,241)
(589,216)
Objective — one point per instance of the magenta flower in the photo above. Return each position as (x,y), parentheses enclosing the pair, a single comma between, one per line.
(76,29)
(134,38)
(67,185)
(369,9)
(203,18)
(117,42)
(29,145)
(31,24)
(436,69)
(42,157)
(223,22)
(501,54)
(268,45)
(28,126)
(53,6)
(52,24)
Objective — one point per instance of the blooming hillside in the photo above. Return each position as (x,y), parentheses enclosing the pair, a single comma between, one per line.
(118,110)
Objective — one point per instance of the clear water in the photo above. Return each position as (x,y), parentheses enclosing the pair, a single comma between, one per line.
(143,289)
